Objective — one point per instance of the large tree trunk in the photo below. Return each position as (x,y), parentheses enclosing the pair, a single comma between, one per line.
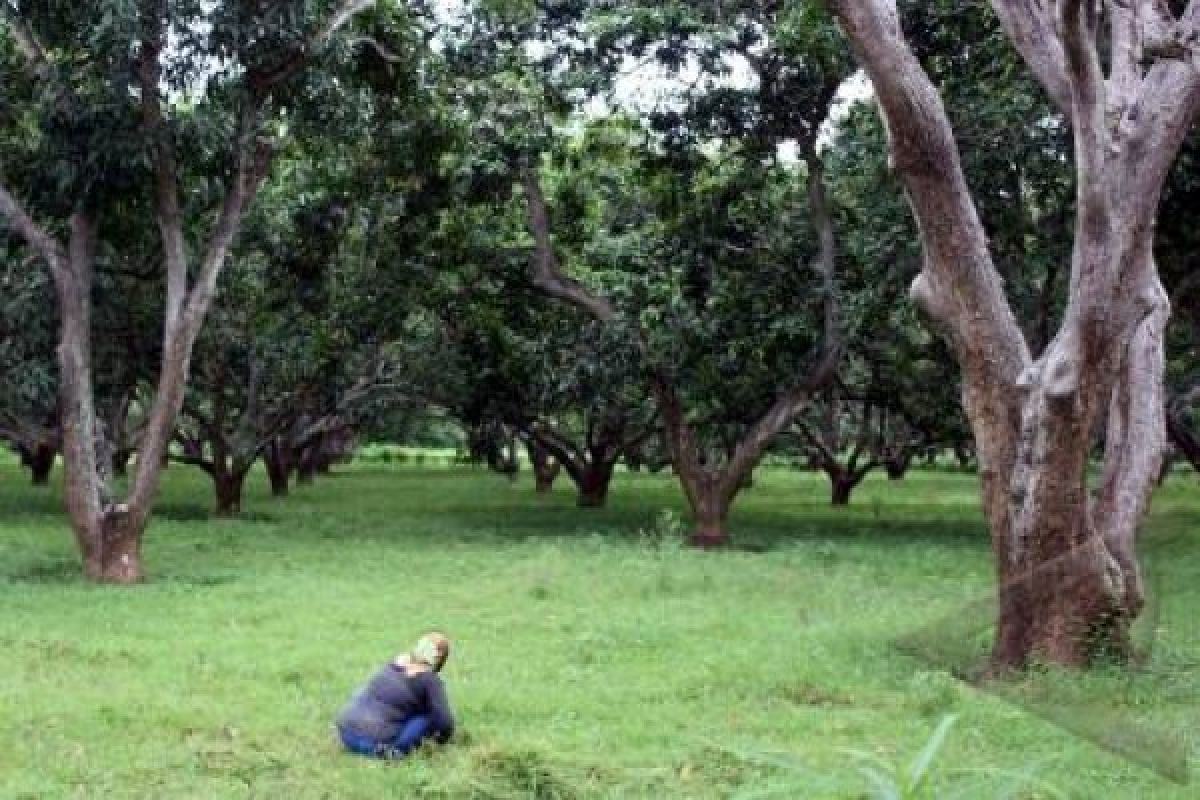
(112,550)
(710,513)
(1069,586)
(593,482)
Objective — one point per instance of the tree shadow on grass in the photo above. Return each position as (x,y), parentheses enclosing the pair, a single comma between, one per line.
(195,512)
(62,571)
(753,530)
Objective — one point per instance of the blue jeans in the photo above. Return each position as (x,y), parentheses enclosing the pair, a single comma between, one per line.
(414,731)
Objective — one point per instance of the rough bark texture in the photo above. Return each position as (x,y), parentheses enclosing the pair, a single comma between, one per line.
(1065,562)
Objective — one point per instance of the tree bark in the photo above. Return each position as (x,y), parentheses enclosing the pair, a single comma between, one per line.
(710,513)
(112,553)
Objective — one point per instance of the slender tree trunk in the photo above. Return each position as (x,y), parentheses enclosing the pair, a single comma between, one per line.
(545,467)
(897,466)
(228,484)
(842,483)
(40,460)
(305,467)
(278,472)
(964,456)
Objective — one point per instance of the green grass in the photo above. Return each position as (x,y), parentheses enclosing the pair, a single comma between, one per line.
(591,660)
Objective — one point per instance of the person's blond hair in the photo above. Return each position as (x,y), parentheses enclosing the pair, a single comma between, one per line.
(432,650)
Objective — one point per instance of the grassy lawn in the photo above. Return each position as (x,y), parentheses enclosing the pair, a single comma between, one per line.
(593,658)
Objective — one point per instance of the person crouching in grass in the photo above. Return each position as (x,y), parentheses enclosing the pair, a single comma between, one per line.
(403,705)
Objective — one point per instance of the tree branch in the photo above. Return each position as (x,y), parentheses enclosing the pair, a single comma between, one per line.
(547,272)
(27,43)
(262,81)
(37,237)
(1030,24)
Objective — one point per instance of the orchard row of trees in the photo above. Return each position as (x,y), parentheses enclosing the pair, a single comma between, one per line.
(234,232)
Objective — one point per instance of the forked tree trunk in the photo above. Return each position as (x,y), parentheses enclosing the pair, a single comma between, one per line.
(109,534)
(710,492)
(1069,586)
(593,481)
